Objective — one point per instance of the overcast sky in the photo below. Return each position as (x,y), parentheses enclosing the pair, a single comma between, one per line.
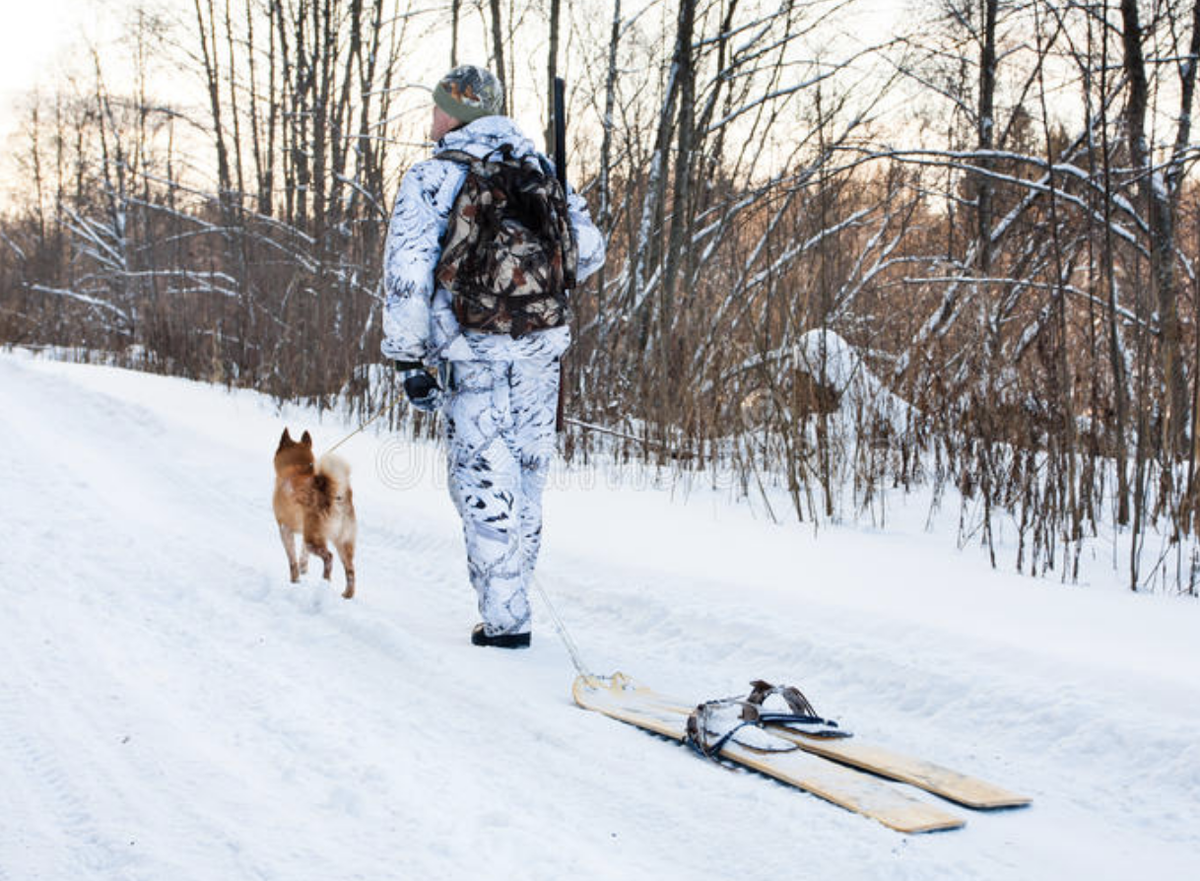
(37,39)
(33,34)
(41,40)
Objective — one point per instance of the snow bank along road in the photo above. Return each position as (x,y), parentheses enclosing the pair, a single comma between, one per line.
(172,708)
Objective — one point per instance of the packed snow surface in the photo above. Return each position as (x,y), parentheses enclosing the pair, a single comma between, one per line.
(171,707)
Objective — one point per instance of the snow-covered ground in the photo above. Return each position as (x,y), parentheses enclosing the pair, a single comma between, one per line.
(172,708)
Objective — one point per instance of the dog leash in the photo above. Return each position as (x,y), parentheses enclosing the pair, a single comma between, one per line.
(383,410)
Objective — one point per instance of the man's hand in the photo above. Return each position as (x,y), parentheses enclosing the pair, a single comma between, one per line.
(422,389)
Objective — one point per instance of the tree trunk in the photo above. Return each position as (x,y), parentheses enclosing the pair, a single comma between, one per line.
(1160,217)
(551,76)
(498,50)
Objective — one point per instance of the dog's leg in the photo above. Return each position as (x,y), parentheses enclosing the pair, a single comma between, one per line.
(345,550)
(289,545)
(303,558)
(326,557)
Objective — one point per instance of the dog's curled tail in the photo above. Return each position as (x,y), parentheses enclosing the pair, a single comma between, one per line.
(336,471)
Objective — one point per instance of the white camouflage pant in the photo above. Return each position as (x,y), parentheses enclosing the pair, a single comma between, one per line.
(499,418)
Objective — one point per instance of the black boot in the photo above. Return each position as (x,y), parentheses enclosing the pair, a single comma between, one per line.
(500,640)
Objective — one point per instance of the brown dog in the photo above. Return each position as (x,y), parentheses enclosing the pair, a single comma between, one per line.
(317,504)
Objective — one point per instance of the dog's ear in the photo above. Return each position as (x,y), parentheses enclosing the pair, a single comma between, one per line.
(286,440)
(306,439)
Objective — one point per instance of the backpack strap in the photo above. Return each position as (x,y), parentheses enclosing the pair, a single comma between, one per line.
(461,157)
(502,154)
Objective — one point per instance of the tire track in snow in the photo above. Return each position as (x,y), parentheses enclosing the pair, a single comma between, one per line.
(64,824)
(156,614)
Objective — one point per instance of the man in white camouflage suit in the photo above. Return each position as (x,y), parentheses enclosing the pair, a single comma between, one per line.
(500,391)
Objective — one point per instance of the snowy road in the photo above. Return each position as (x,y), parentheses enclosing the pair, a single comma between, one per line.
(172,708)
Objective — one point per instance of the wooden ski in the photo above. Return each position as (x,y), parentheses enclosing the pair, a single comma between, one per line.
(621,698)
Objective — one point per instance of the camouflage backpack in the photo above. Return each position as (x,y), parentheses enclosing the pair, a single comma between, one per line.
(509,254)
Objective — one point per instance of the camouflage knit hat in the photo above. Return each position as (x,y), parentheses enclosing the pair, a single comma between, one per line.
(468,93)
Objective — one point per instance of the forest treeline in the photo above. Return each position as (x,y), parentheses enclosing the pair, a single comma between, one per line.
(959,253)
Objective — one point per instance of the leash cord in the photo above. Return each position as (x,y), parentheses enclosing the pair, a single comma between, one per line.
(383,410)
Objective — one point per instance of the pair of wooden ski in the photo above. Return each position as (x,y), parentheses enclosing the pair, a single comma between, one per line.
(831,768)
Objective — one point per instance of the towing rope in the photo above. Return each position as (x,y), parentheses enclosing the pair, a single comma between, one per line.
(561,628)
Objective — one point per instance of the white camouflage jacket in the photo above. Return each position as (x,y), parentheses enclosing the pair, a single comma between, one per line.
(418,318)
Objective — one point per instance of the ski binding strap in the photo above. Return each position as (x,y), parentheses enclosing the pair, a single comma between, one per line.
(713,724)
(802,719)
